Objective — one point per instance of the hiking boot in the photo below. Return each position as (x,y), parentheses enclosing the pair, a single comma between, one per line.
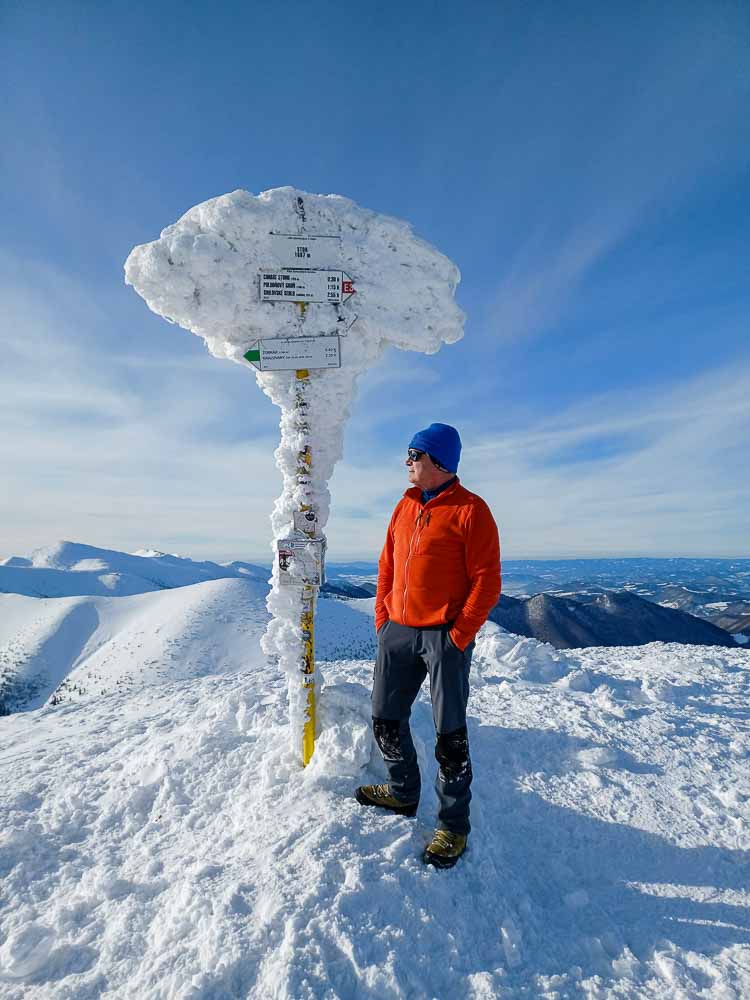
(444,849)
(380,795)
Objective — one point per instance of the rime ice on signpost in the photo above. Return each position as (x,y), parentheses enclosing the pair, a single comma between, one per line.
(307,291)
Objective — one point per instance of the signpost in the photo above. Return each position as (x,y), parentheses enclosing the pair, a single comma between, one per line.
(293,354)
(305,286)
(305,276)
(307,572)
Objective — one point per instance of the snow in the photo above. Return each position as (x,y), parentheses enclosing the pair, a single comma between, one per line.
(68,569)
(68,647)
(202,273)
(162,841)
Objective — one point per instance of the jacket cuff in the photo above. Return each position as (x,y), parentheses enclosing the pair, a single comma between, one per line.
(461,638)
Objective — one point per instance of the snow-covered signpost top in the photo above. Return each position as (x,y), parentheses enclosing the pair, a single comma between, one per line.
(307,290)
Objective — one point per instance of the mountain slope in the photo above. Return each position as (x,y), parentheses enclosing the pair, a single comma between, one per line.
(69,569)
(734,622)
(66,647)
(610,619)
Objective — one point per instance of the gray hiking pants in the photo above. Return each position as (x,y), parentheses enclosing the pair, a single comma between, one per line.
(405,657)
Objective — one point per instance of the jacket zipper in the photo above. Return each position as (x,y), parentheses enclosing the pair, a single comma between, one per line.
(406,567)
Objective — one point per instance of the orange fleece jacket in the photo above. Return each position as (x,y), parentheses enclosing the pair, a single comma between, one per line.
(440,563)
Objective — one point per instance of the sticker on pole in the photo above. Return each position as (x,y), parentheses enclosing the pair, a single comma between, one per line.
(306,251)
(301,562)
(299,352)
(305,286)
(306,521)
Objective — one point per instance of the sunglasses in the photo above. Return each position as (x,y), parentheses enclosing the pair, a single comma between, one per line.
(414,456)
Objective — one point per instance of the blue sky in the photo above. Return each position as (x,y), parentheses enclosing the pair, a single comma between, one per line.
(585,165)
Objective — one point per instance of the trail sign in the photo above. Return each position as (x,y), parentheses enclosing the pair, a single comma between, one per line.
(305,286)
(297,353)
(306,251)
(301,561)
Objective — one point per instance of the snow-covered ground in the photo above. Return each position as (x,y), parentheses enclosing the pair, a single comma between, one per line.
(160,840)
(66,647)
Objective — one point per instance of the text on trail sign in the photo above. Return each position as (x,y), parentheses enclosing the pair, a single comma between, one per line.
(294,353)
(305,286)
(306,251)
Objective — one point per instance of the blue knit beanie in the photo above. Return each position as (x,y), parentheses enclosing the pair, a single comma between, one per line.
(442,442)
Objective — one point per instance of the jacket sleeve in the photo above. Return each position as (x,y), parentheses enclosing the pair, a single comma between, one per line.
(483,568)
(385,573)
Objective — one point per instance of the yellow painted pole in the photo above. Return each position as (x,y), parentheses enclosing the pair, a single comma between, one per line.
(307,621)
(307,616)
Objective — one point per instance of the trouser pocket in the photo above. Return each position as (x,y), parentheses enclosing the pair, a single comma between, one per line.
(399,672)
(450,645)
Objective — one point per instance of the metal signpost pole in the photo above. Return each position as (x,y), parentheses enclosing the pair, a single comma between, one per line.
(301,555)
(303,285)
(304,276)
(309,590)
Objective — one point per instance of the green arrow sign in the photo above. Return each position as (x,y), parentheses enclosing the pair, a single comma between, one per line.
(286,354)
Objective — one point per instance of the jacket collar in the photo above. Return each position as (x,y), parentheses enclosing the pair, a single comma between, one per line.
(415,493)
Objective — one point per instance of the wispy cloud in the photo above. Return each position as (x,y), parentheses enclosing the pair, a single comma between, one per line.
(681,487)
(96,450)
(89,452)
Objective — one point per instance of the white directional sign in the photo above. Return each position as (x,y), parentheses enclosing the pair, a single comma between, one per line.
(305,286)
(306,251)
(299,352)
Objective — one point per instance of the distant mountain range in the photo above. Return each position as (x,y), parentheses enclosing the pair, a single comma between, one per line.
(599,602)
(343,589)
(611,619)
(716,590)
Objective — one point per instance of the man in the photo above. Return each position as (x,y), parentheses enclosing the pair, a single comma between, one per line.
(438,579)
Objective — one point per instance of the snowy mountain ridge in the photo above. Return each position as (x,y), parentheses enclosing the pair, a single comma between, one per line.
(67,569)
(609,619)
